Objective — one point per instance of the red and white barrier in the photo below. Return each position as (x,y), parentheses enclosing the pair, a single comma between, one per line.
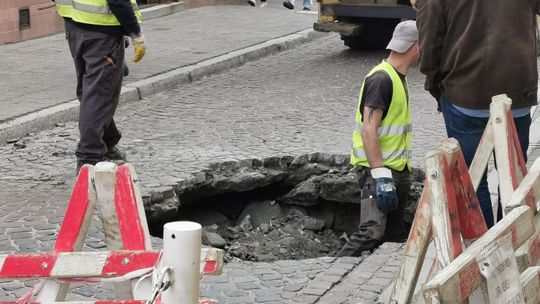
(130,257)
(449,214)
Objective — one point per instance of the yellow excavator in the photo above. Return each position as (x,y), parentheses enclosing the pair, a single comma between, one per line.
(363,24)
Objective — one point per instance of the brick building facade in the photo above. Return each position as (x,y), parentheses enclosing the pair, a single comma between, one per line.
(25,19)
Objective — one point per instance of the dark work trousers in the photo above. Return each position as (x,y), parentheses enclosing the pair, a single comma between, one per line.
(99,59)
(375,225)
(468,131)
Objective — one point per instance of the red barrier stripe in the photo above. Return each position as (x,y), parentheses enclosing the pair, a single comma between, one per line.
(466,280)
(28,265)
(119,263)
(75,213)
(512,148)
(534,253)
(210,266)
(530,199)
(453,212)
(127,212)
(472,221)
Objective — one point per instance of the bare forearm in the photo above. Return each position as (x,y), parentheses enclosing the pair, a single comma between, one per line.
(370,136)
(372,148)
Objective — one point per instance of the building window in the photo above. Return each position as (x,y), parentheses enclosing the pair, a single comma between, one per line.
(24,18)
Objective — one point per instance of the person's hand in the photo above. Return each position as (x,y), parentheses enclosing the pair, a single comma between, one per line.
(385,190)
(139,46)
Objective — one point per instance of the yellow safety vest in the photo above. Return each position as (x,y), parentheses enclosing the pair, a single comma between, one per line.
(394,131)
(94,12)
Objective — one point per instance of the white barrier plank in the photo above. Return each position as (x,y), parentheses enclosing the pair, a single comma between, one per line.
(505,151)
(530,284)
(96,264)
(415,252)
(481,157)
(456,282)
(105,182)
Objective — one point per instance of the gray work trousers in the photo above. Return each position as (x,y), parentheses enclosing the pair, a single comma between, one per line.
(375,225)
(99,60)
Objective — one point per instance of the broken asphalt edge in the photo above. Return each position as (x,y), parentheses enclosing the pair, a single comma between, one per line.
(68,111)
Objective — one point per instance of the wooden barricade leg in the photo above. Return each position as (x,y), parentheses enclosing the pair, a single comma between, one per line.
(445,216)
(463,194)
(73,230)
(510,162)
(130,210)
(471,219)
(415,251)
(482,155)
(121,215)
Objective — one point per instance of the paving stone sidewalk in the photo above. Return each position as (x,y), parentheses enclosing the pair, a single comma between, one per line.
(39,73)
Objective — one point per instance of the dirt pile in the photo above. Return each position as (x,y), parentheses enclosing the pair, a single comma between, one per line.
(294,235)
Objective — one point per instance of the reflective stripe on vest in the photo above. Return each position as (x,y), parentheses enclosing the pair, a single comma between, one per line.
(394,131)
(405,154)
(64,8)
(96,12)
(387,130)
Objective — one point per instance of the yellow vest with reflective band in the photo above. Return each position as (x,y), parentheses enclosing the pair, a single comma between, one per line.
(94,12)
(394,131)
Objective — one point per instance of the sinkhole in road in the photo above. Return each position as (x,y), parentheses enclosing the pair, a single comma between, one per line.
(277,208)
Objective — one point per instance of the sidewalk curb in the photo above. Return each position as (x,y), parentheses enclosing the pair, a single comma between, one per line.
(135,91)
(162,10)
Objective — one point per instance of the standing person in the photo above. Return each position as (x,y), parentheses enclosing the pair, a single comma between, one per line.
(381,153)
(472,51)
(95,32)
(290,4)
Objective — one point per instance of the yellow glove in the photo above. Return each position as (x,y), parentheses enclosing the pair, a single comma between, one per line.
(139,46)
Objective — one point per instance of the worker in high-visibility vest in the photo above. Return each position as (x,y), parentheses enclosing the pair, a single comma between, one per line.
(95,31)
(381,151)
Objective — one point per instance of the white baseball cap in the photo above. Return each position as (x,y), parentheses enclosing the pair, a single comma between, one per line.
(405,35)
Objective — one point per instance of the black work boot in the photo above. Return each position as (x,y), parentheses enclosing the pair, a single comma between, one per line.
(81,163)
(115,155)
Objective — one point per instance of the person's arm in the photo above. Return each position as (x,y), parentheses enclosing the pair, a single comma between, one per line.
(123,11)
(431,24)
(370,137)
(378,98)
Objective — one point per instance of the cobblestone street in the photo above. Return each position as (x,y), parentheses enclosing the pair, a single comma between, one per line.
(296,102)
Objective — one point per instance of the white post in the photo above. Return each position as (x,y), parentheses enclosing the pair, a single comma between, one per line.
(182,252)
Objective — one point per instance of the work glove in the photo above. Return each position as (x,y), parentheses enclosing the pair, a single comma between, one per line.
(139,46)
(385,190)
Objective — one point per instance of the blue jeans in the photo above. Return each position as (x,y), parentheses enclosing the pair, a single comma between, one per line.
(307,3)
(467,131)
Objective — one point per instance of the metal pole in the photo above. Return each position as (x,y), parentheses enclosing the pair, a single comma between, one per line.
(182,252)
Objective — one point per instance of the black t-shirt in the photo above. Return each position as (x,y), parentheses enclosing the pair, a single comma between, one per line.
(378,90)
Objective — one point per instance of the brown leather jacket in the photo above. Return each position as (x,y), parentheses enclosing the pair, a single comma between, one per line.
(472,50)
